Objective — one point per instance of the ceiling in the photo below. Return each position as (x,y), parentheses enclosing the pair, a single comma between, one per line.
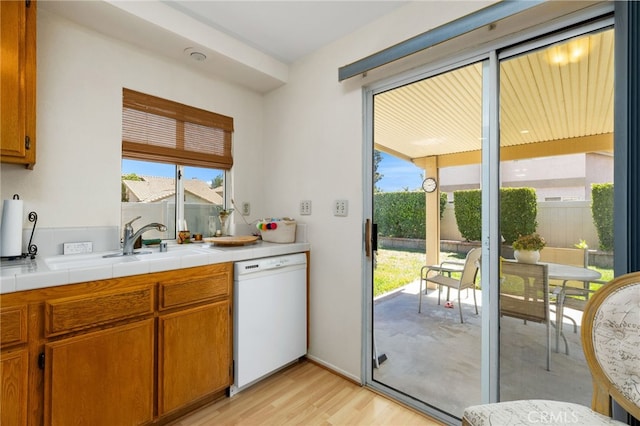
(286,30)
(251,43)
(562,93)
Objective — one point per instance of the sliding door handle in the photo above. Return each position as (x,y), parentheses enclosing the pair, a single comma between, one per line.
(367,237)
(374,237)
(370,238)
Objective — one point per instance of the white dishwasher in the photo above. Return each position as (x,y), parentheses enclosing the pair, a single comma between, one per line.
(269,316)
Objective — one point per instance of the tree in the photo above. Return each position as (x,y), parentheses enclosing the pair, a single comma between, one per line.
(377,158)
(131,176)
(217,181)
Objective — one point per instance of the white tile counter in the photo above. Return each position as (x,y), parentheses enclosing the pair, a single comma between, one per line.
(27,274)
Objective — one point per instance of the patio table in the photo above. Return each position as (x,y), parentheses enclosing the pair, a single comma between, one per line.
(566,273)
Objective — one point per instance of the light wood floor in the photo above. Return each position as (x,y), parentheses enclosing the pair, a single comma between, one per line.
(305,394)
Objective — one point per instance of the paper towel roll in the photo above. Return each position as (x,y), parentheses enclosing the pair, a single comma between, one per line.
(11,228)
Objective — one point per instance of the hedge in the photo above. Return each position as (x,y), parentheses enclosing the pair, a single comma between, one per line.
(468,211)
(402,214)
(518,211)
(602,213)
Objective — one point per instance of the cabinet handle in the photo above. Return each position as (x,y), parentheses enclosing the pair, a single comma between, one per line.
(41,361)
(27,142)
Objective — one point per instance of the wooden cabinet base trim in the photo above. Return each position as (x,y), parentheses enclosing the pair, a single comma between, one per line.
(187,410)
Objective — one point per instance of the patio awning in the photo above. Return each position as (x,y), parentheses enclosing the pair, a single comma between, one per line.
(558,100)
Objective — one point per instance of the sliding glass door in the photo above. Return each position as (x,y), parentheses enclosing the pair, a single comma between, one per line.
(517,143)
(556,187)
(428,342)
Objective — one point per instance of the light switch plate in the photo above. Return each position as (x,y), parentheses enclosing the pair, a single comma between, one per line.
(305,207)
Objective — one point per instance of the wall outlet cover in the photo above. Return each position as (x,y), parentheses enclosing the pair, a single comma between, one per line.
(341,208)
(77,248)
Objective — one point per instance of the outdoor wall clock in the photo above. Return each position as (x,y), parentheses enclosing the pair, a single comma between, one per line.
(429,184)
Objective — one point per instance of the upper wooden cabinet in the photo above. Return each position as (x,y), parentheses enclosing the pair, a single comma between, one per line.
(18,82)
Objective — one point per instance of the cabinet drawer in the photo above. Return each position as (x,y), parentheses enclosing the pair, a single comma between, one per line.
(13,325)
(76,313)
(185,291)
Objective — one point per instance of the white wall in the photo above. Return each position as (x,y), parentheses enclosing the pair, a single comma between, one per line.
(76,180)
(314,134)
(302,141)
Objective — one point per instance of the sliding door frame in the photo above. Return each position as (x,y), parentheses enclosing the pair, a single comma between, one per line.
(490,198)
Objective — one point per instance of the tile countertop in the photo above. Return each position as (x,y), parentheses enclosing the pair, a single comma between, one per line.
(27,274)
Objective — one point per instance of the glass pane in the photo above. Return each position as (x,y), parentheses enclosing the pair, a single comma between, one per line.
(149,190)
(204,196)
(556,136)
(422,347)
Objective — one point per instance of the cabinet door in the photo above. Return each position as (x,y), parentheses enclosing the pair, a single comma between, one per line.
(194,358)
(17,84)
(101,378)
(14,374)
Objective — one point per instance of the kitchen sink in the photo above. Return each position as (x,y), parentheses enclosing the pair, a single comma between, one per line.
(174,251)
(93,260)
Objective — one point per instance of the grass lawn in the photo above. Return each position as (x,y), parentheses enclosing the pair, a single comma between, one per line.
(396,268)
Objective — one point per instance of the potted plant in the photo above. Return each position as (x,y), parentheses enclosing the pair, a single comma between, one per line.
(527,248)
(223,215)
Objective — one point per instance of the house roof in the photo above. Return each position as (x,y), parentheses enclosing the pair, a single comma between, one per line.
(154,188)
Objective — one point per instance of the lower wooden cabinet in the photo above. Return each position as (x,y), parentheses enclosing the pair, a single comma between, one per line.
(193,354)
(14,375)
(101,378)
(14,365)
(139,350)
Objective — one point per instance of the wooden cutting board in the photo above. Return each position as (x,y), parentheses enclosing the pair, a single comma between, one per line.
(239,240)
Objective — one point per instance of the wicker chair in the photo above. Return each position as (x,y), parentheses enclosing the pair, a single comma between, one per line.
(610,337)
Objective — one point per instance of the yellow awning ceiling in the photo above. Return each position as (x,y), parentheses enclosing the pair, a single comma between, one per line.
(557,93)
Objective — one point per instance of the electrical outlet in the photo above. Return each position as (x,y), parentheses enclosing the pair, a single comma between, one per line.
(77,248)
(341,208)
(305,207)
(246,208)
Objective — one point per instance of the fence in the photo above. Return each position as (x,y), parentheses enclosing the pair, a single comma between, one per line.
(201,218)
(561,223)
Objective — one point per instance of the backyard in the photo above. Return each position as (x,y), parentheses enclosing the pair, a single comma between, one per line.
(397,268)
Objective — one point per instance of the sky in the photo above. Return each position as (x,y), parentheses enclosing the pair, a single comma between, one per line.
(397,175)
(143,168)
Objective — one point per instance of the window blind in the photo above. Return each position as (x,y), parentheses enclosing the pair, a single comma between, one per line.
(156,129)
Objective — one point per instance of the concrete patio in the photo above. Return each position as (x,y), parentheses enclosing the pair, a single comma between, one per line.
(436,359)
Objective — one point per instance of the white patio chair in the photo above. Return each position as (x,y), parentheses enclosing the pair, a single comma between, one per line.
(469,272)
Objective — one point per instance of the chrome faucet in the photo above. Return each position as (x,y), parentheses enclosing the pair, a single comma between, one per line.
(130,237)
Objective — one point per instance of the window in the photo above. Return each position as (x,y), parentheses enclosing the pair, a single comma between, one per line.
(175,160)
